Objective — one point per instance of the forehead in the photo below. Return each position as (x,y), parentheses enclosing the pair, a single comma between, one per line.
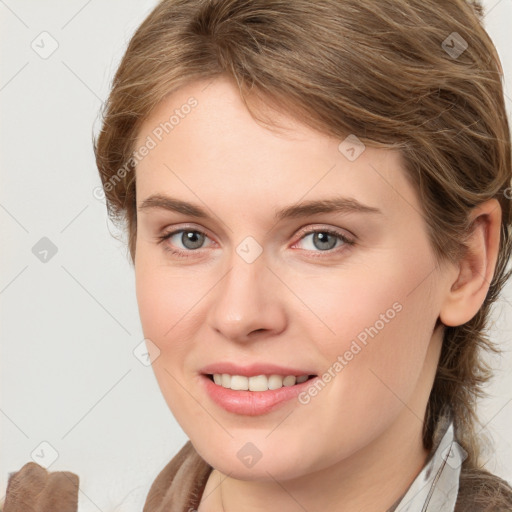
(204,141)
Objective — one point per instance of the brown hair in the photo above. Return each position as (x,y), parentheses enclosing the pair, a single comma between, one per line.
(396,73)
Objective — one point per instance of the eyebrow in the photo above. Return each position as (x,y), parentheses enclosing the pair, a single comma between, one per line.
(329,205)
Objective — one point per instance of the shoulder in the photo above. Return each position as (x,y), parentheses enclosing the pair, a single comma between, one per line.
(481,491)
(180,483)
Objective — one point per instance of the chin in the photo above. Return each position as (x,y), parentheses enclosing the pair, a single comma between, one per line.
(268,462)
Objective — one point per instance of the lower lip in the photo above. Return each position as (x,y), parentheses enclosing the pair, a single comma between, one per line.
(253,403)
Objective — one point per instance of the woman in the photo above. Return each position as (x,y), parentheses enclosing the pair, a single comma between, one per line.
(316,198)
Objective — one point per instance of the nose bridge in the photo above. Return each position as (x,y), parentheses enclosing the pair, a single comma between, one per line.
(242,303)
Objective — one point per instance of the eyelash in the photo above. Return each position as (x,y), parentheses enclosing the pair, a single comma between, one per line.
(187,254)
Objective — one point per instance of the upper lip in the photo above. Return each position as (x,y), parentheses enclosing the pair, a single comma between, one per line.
(254,369)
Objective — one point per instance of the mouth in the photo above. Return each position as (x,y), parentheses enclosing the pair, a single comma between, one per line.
(255,395)
(257,383)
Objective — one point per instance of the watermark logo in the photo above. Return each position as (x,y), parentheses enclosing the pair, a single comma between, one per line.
(146,147)
(454,455)
(249,249)
(44,250)
(146,352)
(351,148)
(344,359)
(45,454)
(249,454)
(454,45)
(44,45)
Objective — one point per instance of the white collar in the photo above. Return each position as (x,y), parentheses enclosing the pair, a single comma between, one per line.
(436,487)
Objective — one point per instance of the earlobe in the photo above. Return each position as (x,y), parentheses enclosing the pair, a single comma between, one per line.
(466,293)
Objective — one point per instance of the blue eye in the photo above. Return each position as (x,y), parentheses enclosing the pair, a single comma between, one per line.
(324,240)
(191,239)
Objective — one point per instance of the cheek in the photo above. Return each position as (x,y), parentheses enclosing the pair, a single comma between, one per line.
(166,312)
(156,303)
(166,300)
(375,331)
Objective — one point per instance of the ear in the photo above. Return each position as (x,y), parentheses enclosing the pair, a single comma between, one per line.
(467,292)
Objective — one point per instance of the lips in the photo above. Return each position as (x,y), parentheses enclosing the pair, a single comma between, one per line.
(254,403)
(255,369)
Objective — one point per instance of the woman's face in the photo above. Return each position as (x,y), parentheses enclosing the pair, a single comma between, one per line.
(254,274)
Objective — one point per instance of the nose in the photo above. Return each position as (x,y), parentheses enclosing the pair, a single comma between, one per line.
(248,302)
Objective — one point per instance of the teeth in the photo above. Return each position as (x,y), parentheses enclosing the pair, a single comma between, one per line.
(257,383)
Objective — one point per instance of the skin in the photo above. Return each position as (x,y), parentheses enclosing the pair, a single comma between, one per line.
(357,444)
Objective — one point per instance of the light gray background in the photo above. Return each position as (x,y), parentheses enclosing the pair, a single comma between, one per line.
(69,325)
